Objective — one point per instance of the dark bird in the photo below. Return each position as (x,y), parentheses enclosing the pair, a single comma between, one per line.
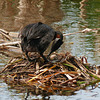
(36,37)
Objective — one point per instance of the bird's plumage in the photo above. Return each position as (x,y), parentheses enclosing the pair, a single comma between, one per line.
(36,37)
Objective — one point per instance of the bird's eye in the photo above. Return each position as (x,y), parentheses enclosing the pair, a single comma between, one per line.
(57,36)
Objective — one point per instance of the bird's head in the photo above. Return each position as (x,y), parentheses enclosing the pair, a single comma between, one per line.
(59,35)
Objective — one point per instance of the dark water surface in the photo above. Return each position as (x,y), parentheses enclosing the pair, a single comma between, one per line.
(67,16)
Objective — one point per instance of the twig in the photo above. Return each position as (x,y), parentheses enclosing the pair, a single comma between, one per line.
(9,43)
(86,70)
(84,31)
(63,69)
(69,80)
(20,72)
(72,33)
(8,65)
(41,73)
(57,73)
(5,68)
(71,65)
(83,69)
(4,31)
(5,34)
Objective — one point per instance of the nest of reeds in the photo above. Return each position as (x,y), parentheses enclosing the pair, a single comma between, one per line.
(64,72)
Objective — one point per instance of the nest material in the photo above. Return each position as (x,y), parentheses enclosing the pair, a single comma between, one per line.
(65,73)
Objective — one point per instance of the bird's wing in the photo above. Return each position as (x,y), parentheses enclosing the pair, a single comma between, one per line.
(25,31)
(38,31)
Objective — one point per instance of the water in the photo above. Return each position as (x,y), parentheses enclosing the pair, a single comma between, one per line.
(67,16)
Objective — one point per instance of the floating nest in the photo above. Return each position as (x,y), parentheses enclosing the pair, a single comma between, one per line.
(63,72)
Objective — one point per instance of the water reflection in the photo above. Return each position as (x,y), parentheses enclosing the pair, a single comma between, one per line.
(15,91)
(15,15)
(8,9)
(82,8)
(80,15)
